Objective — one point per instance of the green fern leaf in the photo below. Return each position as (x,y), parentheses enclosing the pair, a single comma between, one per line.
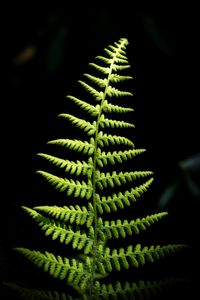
(56,266)
(104,139)
(118,48)
(109,60)
(120,200)
(77,188)
(138,290)
(99,81)
(104,122)
(35,294)
(104,70)
(59,230)
(118,228)
(105,180)
(77,145)
(77,214)
(106,60)
(92,110)
(113,92)
(120,258)
(80,123)
(102,189)
(110,108)
(78,167)
(119,78)
(97,95)
(117,157)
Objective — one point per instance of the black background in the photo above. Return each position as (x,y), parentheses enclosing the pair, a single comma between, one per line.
(45,51)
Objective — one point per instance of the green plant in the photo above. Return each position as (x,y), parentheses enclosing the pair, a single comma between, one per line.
(100,190)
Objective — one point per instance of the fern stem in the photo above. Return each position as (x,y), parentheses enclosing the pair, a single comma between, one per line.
(95,244)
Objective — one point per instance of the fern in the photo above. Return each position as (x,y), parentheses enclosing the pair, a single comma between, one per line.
(88,227)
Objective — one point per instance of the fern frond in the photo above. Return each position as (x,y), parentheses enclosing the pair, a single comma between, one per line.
(118,78)
(73,214)
(140,290)
(109,52)
(120,200)
(113,92)
(107,179)
(110,60)
(77,188)
(117,68)
(77,145)
(98,96)
(118,51)
(121,60)
(71,270)
(115,53)
(106,60)
(105,139)
(117,156)
(35,294)
(110,108)
(91,109)
(104,122)
(100,82)
(118,258)
(78,167)
(77,239)
(119,48)
(118,228)
(86,229)
(80,123)
(104,70)
(59,230)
